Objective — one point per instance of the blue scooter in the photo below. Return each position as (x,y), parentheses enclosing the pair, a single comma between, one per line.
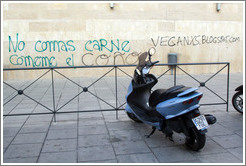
(169,110)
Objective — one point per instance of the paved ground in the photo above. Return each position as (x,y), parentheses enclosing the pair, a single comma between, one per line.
(99,137)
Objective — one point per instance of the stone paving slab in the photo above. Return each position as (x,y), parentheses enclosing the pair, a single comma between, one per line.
(173,154)
(110,137)
(61,157)
(61,145)
(96,153)
(219,158)
(137,158)
(22,150)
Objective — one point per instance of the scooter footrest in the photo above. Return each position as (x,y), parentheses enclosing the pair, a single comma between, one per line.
(210,119)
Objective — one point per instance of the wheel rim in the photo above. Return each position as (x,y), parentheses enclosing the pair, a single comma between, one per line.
(238,102)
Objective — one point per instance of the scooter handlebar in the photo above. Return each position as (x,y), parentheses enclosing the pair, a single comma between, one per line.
(153,63)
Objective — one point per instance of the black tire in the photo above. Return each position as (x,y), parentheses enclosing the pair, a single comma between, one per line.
(196,141)
(133,117)
(237,101)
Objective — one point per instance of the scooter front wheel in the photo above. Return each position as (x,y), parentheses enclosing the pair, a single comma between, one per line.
(196,140)
(133,117)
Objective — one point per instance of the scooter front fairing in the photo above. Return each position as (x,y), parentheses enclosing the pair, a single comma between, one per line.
(140,114)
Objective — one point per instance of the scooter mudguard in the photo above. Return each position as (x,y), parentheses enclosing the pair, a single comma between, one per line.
(128,108)
(240,88)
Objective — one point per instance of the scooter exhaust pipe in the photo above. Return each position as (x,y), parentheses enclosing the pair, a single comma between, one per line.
(210,119)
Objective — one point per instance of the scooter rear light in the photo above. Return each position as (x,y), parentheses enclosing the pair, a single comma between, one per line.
(199,97)
(196,115)
(188,101)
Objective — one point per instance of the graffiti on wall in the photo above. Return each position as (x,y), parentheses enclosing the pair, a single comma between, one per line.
(103,59)
(195,40)
(117,49)
(103,44)
(97,52)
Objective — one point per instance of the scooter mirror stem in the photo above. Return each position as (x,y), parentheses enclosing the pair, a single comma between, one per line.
(150,58)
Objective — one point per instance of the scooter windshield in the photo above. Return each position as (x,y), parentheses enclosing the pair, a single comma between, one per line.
(142,61)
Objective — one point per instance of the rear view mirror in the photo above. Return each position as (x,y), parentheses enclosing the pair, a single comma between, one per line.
(151,51)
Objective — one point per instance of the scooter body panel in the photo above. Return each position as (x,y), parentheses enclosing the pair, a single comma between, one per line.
(129,91)
(171,108)
(179,105)
(187,91)
(156,124)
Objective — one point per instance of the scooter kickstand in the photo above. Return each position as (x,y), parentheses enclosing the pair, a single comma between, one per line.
(152,132)
(170,137)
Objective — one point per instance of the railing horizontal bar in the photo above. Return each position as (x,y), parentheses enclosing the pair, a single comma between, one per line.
(101,66)
(63,112)
(88,111)
(213,104)
(68,67)
(207,63)
(41,113)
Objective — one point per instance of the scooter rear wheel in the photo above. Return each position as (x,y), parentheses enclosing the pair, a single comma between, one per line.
(237,101)
(196,141)
(133,117)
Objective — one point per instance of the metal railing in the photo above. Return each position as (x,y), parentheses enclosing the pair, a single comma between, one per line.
(115,68)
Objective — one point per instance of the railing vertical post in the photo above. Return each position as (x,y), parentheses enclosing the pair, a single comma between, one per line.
(228,80)
(53,94)
(175,74)
(116,92)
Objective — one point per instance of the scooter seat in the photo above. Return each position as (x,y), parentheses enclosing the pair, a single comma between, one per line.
(160,95)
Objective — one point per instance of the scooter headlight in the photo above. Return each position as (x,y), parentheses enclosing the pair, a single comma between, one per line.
(146,70)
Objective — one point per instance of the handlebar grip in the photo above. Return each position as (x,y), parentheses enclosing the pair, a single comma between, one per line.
(153,63)
(156,62)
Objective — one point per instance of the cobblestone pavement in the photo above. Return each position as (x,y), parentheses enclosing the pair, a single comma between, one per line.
(110,136)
